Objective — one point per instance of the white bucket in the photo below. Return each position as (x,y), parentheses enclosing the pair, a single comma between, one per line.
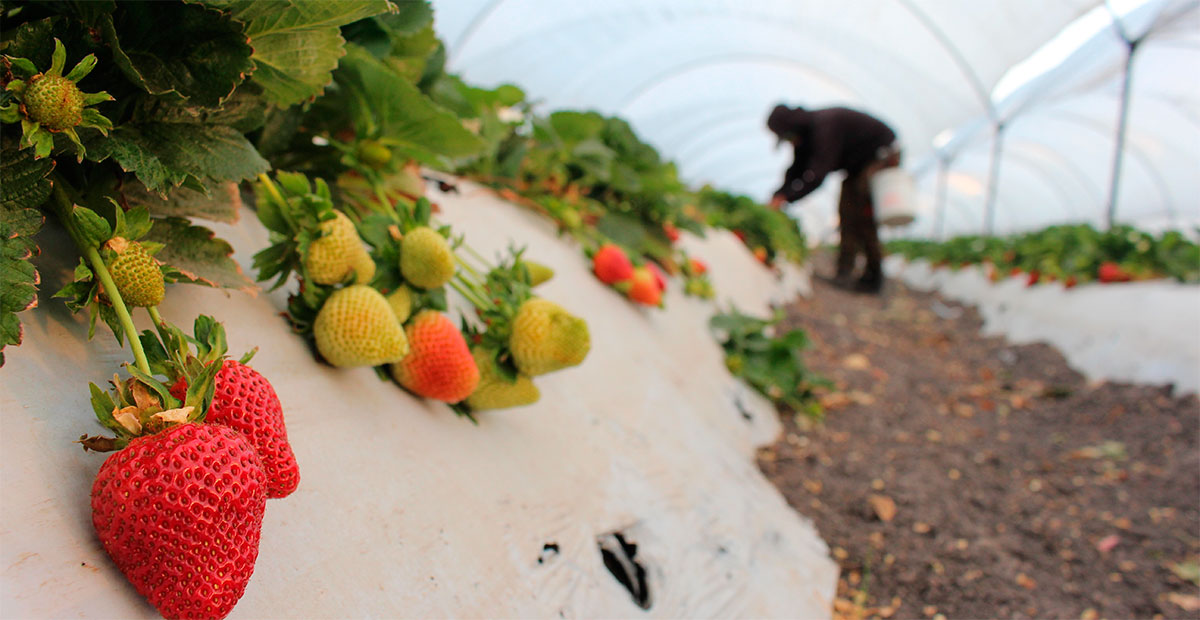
(894,195)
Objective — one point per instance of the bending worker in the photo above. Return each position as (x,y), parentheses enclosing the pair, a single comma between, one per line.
(833,139)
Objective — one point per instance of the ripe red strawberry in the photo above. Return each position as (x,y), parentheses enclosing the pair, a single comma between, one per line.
(1070,282)
(1111,272)
(245,401)
(740,235)
(697,266)
(660,278)
(1014,272)
(611,265)
(671,232)
(438,365)
(760,253)
(644,289)
(180,513)
(1034,276)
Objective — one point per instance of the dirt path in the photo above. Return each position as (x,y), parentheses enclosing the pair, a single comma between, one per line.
(957,475)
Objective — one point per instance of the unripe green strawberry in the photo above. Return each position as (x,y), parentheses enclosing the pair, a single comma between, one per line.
(356,327)
(425,258)
(538,273)
(545,338)
(401,301)
(374,153)
(440,365)
(136,274)
(496,391)
(336,254)
(54,101)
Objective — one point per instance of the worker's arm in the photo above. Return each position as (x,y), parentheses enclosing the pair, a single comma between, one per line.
(807,173)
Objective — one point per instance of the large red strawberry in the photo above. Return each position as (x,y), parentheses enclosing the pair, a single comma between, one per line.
(438,365)
(180,513)
(245,401)
(611,265)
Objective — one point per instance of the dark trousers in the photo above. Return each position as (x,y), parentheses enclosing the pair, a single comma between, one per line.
(858,230)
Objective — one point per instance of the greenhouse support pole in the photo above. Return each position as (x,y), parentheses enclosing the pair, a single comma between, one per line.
(939,201)
(1122,123)
(989,208)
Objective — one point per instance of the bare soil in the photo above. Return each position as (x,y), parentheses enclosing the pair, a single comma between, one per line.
(961,476)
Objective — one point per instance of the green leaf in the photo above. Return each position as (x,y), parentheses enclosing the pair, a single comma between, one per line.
(385,105)
(95,229)
(296,43)
(197,256)
(220,204)
(23,182)
(165,155)
(188,52)
(245,110)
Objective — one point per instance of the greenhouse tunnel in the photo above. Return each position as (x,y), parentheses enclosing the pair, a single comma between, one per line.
(697,79)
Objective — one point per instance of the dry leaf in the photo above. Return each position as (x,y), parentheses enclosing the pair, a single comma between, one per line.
(856,361)
(1185,601)
(884,507)
(1106,544)
(1025,581)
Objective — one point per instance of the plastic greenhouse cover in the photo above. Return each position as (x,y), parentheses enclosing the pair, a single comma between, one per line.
(696,78)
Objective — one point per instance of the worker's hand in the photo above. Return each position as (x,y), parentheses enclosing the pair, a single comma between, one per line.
(776,202)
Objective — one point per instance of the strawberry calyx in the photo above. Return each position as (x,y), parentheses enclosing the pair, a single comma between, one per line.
(143,404)
(49,103)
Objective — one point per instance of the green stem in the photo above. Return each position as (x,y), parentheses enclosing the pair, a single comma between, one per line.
(470,295)
(62,207)
(272,190)
(155,316)
(465,265)
(381,196)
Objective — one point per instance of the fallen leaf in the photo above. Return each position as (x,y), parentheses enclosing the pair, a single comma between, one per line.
(1090,614)
(856,361)
(1025,581)
(1186,601)
(1188,571)
(1106,544)
(922,528)
(884,507)
(834,401)
(861,398)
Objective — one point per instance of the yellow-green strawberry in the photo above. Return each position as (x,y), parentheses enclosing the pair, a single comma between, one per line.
(425,258)
(337,253)
(356,327)
(495,391)
(136,274)
(401,301)
(545,338)
(538,273)
(54,101)
(364,268)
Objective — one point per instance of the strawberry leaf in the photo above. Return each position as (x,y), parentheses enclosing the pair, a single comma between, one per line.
(383,104)
(165,155)
(220,204)
(197,256)
(94,228)
(203,72)
(103,405)
(296,44)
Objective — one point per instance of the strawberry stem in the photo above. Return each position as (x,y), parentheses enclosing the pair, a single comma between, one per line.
(269,185)
(155,316)
(62,208)
(470,294)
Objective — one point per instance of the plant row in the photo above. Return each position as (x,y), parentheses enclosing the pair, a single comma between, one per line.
(1072,254)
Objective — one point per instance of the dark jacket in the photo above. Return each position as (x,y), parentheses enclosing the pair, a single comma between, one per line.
(827,140)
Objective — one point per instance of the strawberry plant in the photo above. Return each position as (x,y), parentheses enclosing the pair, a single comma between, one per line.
(1068,253)
(773,364)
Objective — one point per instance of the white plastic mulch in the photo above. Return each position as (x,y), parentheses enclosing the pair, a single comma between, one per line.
(405,510)
(1140,332)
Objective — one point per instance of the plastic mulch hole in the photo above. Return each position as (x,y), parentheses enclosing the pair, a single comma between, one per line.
(620,558)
